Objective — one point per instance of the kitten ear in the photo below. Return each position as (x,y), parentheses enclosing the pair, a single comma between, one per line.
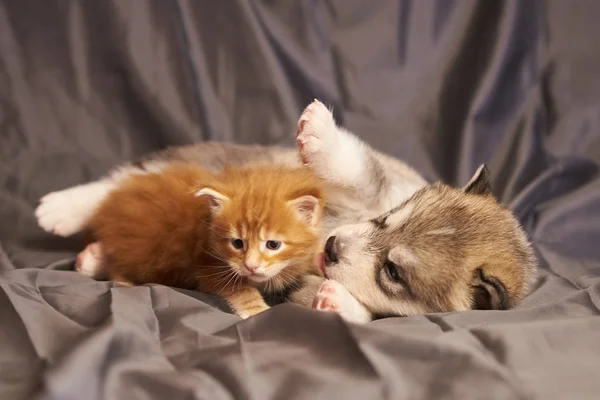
(306,208)
(216,200)
(480,182)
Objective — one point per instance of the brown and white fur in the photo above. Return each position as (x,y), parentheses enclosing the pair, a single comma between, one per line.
(238,234)
(443,249)
(467,251)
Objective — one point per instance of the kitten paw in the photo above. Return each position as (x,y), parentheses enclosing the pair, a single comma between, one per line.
(90,262)
(66,212)
(124,283)
(245,314)
(316,134)
(334,297)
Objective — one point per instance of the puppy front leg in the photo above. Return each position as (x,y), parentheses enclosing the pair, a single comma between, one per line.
(327,295)
(68,211)
(337,155)
(333,296)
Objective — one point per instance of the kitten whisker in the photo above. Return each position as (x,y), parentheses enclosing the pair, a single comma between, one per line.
(238,282)
(269,284)
(287,279)
(215,256)
(212,247)
(233,277)
(219,273)
(222,283)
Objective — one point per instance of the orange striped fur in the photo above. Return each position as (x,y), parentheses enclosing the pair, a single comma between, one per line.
(163,228)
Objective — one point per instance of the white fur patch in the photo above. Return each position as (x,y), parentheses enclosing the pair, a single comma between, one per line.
(333,296)
(402,256)
(90,262)
(334,153)
(398,194)
(398,218)
(349,236)
(67,212)
(348,159)
(442,231)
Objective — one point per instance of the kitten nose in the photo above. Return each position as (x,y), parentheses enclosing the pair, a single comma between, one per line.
(251,267)
(331,250)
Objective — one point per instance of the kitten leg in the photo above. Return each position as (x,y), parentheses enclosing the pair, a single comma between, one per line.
(342,158)
(123,282)
(247,302)
(90,262)
(332,296)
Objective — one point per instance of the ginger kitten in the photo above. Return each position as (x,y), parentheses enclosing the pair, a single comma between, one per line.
(234,234)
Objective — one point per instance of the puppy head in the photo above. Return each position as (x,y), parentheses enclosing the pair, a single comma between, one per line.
(443,249)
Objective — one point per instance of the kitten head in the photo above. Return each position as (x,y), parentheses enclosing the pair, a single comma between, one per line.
(266,221)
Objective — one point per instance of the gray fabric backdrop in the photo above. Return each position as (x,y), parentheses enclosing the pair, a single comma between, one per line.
(443,84)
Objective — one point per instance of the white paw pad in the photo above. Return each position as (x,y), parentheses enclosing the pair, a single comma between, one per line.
(316,132)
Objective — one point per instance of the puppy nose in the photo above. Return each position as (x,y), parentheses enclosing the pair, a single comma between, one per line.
(330,249)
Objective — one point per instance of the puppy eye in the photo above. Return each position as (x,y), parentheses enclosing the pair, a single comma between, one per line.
(237,244)
(273,244)
(393,272)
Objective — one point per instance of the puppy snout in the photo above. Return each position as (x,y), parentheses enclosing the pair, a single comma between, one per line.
(331,251)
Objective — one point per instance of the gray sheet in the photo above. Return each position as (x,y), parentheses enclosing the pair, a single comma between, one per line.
(444,85)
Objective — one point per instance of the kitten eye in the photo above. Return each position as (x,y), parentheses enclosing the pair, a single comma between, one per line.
(393,272)
(273,244)
(237,244)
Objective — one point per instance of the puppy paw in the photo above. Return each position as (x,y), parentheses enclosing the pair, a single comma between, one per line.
(66,212)
(316,134)
(330,297)
(334,297)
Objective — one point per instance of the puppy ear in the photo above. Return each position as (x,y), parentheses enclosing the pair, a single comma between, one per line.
(216,200)
(306,209)
(488,292)
(480,182)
